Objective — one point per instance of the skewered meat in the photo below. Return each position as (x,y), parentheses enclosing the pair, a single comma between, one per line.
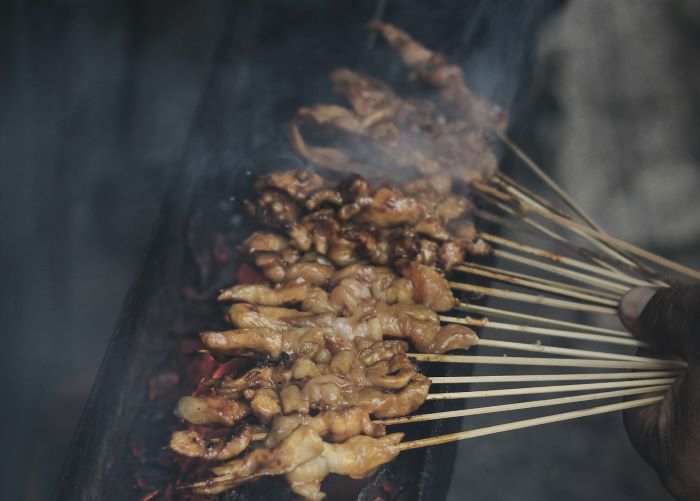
(350,287)
(383,227)
(329,392)
(372,320)
(350,361)
(434,69)
(266,242)
(305,459)
(260,341)
(297,184)
(193,444)
(265,295)
(335,425)
(429,287)
(211,410)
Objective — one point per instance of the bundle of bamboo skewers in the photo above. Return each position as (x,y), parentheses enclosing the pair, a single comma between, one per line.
(589,277)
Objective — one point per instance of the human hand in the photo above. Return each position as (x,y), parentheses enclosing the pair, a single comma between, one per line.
(667,433)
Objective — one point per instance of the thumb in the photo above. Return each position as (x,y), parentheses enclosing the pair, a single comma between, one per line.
(667,318)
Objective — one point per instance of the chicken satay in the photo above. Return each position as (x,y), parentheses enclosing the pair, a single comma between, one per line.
(434,69)
(305,459)
(355,362)
(429,287)
(212,410)
(305,342)
(289,293)
(194,444)
(372,320)
(298,184)
(334,425)
(373,137)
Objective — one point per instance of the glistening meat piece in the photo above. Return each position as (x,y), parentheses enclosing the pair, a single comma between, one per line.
(305,342)
(429,287)
(328,392)
(297,184)
(211,410)
(372,319)
(355,362)
(194,444)
(305,459)
(264,295)
(334,425)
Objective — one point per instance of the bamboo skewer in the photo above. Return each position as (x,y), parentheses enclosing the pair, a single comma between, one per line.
(530,298)
(548,362)
(617,243)
(509,184)
(522,197)
(543,281)
(487,195)
(535,285)
(574,263)
(526,423)
(536,390)
(514,315)
(530,378)
(570,202)
(533,199)
(556,350)
(490,409)
(519,222)
(531,404)
(565,272)
(527,329)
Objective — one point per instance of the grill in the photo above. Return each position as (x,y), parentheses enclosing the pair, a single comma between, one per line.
(272,59)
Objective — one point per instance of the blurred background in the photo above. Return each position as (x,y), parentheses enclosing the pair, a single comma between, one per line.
(96,107)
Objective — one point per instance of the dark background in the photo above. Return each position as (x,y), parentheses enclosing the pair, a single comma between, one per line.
(97,101)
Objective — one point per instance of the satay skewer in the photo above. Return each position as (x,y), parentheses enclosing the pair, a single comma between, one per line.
(617,243)
(526,423)
(510,187)
(540,280)
(490,409)
(534,299)
(528,329)
(589,363)
(528,199)
(573,352)
(608,267)
(536,390)
(491,196)
(528,378)
(565,272)
(574,263)
(515,315)
(561,291)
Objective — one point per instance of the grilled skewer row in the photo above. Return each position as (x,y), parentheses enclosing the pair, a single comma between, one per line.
(334,370)
(350,223)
